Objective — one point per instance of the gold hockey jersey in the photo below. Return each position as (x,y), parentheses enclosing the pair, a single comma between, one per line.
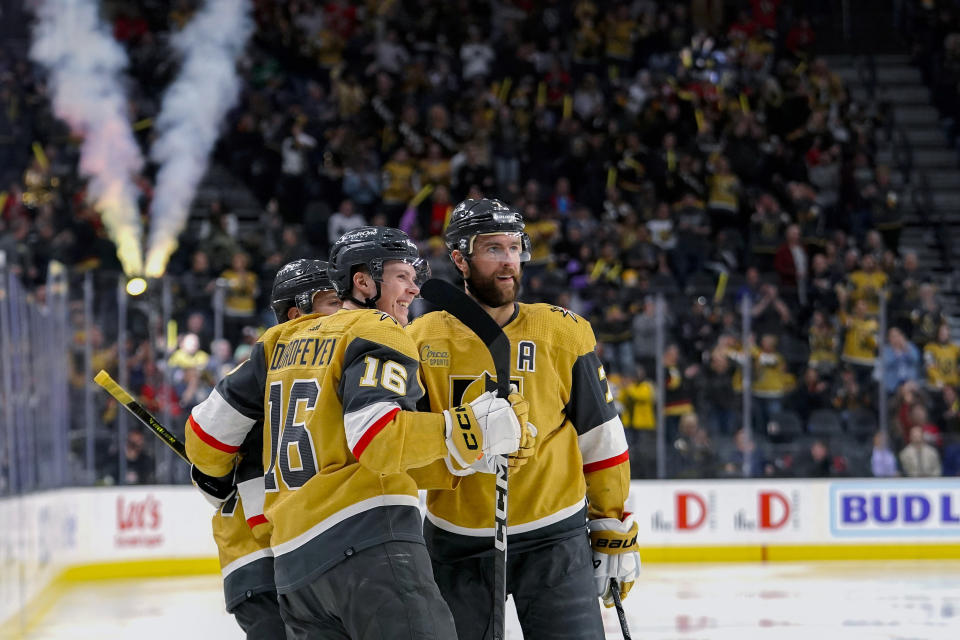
(336,395)
(581,447)
(242,532)
(943,364)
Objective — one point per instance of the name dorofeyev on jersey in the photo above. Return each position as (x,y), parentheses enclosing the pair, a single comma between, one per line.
(343,388)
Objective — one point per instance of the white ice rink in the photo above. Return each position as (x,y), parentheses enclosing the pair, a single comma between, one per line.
(829,601)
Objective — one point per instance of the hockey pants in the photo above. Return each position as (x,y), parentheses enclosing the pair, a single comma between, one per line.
(552,588)
(385,592)
(259,617)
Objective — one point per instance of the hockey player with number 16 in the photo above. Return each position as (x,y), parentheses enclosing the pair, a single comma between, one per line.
(580,450)
(337,396)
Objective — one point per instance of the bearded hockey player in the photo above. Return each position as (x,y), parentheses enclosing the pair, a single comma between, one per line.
(246,561)
(337,398)
(581,450)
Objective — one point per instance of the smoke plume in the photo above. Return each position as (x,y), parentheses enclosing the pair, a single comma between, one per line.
(192,111)
(85,68)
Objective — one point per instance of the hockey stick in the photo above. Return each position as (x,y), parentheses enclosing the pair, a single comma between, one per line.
(124,398)
(465,309)
(618,603)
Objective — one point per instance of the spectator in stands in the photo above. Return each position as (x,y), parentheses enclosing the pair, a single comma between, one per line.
(792,264)
(849,393)
(767,225)
(908,396)
(361,183)
(189,355)
(824,343)
(771,381)
(812,394)
(295,151)
(822,291)
(770,313)
(886,211)
(199,324)
(860,341)
(814,461)
(221,360)
(343,220)
(745,460)
(613,335)
(942,360)
(197,284)
(927,317)
(140,464)
(883,464)
(899,361)
(692,452)
(644,329)
(949,410)
(919,459)
(679,388)
(400,183)
(717,400)
(637,399)
(868,284)
(696,331)
(241,288)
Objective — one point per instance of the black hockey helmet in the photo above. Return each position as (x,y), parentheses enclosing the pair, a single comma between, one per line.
(472,217)
(371,247)
(296,284)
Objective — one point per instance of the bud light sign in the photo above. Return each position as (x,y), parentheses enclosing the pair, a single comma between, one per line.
(903,509)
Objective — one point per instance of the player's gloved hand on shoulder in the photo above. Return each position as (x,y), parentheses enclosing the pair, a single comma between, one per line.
(216,490)
(488,426)
(615,555)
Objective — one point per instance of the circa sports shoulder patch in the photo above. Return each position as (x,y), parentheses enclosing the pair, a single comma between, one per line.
(563,311)
(431,357)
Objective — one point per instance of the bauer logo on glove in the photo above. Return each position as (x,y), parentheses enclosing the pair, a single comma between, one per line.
(615,555)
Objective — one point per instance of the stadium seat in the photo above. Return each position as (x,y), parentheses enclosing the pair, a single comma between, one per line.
(861,424)
(825,423)
(784,427)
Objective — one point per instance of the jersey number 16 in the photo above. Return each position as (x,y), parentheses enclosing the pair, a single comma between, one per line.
(291,448)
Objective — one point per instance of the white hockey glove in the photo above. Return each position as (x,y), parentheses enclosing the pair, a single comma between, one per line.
(528,445)
(615,555)
(486,427)
(215,490)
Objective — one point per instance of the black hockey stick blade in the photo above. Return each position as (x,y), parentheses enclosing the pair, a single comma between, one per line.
(618,603)
(465,309)
(130,403)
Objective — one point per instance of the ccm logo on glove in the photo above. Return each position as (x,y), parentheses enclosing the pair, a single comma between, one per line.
(463,420)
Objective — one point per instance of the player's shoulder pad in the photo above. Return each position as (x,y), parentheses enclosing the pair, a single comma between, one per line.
(382,328)
(286,329)
(566,329)
(428,324)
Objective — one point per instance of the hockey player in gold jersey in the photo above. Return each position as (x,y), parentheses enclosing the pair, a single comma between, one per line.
(581,450)
(246,561)
(337,398)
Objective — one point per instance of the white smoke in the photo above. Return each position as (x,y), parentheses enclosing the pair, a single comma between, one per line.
(85,66)
(190,117)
